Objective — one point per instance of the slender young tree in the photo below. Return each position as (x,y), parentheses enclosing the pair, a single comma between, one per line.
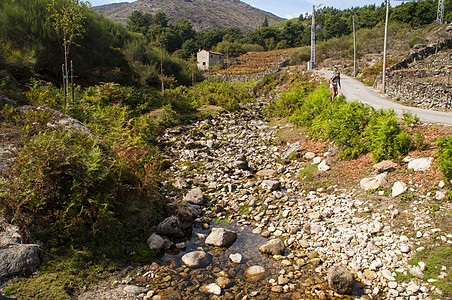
(68,21)
(160,42)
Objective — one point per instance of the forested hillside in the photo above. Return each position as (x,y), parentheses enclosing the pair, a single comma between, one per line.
(205,15)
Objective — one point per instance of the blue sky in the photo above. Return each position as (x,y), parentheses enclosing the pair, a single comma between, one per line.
(283,8)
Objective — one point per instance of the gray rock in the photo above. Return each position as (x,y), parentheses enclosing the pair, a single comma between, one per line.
(181,245)
(6,298)
(415,271)
(440,195)
(180,183)
(221,237)
(420,164)
(266,173)
(291,149)
(6,101)
(171,226)
(133,290)
(236,258)
(309,155)
(195,196)
(194,259)
(385,166)
(240,165)
(373,183)
(340,279)
(271,185)
(255,271)
(212,288)
(59,119)
(195,210)
(155,241)
(273,247)
(398,188)
(323,166)
(17,259)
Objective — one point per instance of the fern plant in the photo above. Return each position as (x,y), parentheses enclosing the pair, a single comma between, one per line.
(444,159)
(386,137)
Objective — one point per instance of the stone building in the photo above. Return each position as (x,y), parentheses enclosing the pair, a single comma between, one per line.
(208,59)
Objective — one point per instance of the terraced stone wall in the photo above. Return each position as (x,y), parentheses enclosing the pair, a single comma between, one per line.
(423,79)
(422,88)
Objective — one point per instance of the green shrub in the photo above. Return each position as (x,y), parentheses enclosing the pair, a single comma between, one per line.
(386,137)
(419,140)
(410,118)
(64,186)
(288,101)
(444,159)
(300,56)
(228,95)
(344,124)
(42,94)
(311,106)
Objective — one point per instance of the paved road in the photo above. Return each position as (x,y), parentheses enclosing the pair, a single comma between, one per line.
(356,90)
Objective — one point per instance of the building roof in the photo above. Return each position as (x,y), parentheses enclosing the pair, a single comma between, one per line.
(212,52)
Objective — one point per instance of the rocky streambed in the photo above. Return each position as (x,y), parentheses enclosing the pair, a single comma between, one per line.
(226,172)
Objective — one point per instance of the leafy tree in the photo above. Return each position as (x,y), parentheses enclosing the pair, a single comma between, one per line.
(265,23)
(416,13)
(67,20)
(160,19)
(184,30)
(139,22)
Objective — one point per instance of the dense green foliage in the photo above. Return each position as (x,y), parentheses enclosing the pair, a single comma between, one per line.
(70,186)
(131,55)
(354,127)
(444,161)
(386,137)
(332,23)
(106,52)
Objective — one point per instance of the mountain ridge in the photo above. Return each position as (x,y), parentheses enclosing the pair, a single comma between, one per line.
(204,15)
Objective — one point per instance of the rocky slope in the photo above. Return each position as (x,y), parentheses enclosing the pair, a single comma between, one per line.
(204,15)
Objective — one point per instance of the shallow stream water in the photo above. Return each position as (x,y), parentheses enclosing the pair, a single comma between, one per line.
(182,282)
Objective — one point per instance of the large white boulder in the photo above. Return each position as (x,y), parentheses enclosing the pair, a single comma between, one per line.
(420,164)
(221,237)
(398,188)
(373,183)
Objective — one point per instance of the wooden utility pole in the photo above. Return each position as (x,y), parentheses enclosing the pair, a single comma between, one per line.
(385,48)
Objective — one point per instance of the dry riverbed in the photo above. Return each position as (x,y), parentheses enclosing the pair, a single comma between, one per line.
(397,246)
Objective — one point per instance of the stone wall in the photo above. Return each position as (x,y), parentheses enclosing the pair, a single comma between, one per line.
(247,77)
(423,79)
(419,88)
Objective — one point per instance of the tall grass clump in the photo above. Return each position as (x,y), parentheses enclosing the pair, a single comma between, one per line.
(444,159)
